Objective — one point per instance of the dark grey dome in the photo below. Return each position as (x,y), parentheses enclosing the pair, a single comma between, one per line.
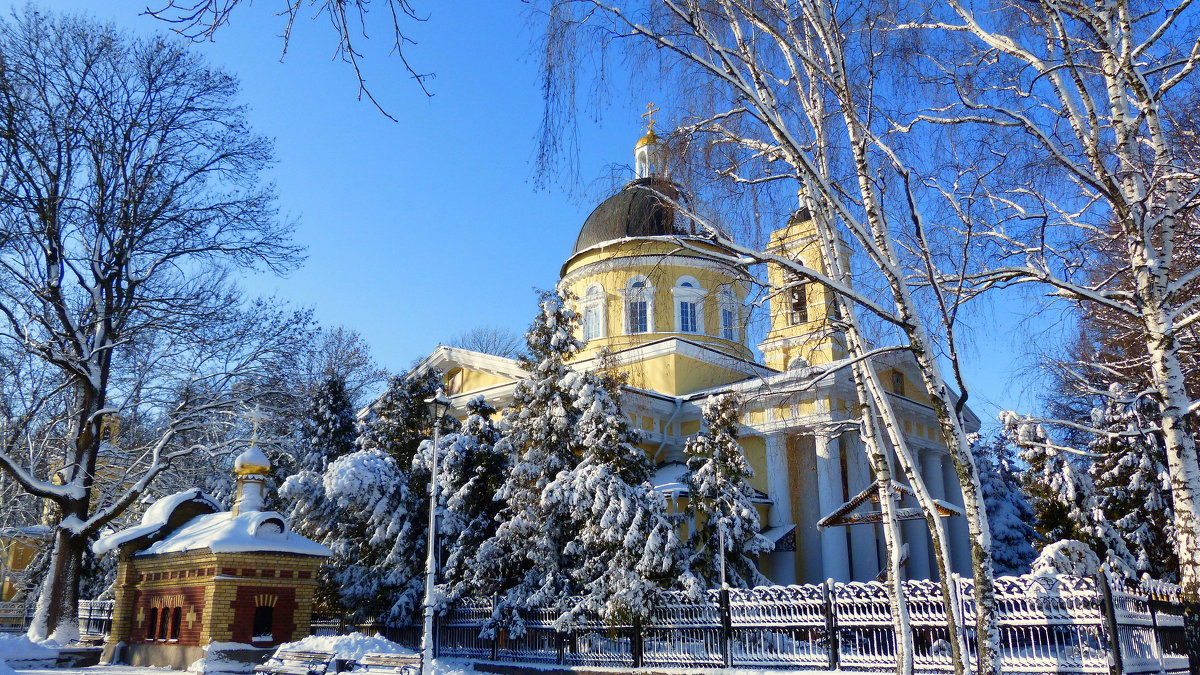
(641,209)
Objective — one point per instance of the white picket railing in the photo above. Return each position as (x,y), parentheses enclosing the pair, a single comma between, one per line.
(1047,625)
(95,617)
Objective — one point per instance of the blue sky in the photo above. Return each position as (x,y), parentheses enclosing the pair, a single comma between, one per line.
(420,229)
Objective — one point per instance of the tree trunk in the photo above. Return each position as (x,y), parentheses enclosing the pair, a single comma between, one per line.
(57,614)
(1181,453)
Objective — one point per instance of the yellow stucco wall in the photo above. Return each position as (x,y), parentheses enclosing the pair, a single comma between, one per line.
(661,265)
(463,380)
(15,553)
(678,375)
(813,340)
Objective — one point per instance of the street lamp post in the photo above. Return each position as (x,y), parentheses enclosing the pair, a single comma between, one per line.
(438,405)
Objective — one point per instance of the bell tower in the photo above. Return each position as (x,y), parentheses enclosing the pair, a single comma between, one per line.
(803,329)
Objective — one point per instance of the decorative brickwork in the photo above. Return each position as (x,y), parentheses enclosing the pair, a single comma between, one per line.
(191,575)
(216,594)
(281,600)
(152,609)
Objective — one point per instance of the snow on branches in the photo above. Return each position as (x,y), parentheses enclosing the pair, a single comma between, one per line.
(719,501)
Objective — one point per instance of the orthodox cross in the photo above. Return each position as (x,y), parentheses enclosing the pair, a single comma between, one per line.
(649,115)
(256,416)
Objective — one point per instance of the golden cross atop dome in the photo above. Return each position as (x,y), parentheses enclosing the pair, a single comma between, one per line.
(649,115)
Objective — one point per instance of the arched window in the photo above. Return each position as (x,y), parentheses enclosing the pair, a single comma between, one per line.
(152,624)
(264,619)
(176,623)
(728,307)
(898,382)
(593,313)
(797,299)
(639,306)
(689,309)
(164,623)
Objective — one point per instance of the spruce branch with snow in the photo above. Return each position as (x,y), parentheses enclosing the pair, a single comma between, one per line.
(1010,516)
(473,464)
(720,501)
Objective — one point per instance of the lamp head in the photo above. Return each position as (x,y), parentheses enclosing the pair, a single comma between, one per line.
(438,404)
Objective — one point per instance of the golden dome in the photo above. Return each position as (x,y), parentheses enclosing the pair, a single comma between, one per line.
(252,462)
(650,138)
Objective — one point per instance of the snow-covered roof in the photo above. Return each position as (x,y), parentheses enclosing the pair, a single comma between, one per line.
(258,531)
(252,458)
(209,528)
(155,519)
(669,479)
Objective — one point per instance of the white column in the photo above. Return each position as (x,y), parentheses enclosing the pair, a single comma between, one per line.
(931,472)
(916,535)
(960,536)
(783,563)
(835,562)
(864,554)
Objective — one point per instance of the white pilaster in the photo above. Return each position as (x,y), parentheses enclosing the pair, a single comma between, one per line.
(864,553)
(931,472)
(835,561)
(783,563)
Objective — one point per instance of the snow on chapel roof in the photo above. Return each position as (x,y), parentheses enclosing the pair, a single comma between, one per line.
(155,519)
(259,531)
(209,528)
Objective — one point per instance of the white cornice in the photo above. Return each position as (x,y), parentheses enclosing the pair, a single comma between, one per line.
(445,356)
(675,259)
(677,345)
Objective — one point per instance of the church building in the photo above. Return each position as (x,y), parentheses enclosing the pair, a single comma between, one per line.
(661,303)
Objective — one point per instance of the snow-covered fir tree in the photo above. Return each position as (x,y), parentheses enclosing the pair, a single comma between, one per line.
(368,508)
(1132,482)
(1063,496)
(526,563)
(579,517)
(327,426)
(473,463)
(626,546)
(1010,516)
(720,500)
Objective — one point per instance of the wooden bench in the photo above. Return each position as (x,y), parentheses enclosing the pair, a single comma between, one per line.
(394,664)
(296,662)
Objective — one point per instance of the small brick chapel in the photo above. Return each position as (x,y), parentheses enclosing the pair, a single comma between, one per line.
(192,577)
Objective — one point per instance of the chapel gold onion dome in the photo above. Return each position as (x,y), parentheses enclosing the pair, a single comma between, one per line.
(252,462)
(650,138)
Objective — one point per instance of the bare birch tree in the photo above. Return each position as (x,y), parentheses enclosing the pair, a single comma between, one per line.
(201,19)
(1085,92)
(792,97)
(128,191)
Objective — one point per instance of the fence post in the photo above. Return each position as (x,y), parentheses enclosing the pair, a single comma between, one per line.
(636,645)
(1191,634)
(831,629)
(726,629)
(1109,610)
(560,639)
(495,631)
